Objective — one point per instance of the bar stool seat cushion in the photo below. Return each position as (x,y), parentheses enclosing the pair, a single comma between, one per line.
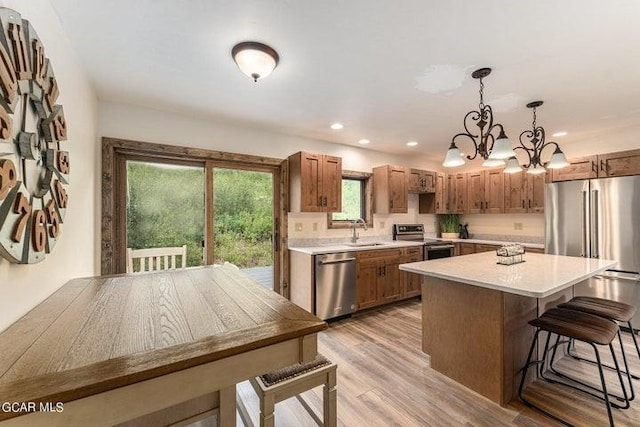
(295,370)
(602,307)
(578,325)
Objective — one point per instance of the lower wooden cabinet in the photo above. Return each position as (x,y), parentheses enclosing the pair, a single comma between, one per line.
(379,279)
(475,248)
(412,282)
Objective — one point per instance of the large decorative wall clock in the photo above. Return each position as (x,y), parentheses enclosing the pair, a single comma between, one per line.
(34,169)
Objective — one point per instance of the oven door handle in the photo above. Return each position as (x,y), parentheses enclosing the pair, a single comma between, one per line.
(440,247)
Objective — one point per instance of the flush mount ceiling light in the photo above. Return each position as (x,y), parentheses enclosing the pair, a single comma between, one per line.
(255,59)
(535,138)
(412,143)
(493,150)
(364,141)
(336,126)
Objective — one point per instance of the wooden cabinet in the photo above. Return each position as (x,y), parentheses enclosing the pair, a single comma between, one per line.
(579,168)
(523,192)
(390,189)
(457,193)
(441,193)
(421,181)
(622,163)
(485,248)
(485,191)
(378,279)
(315,183)
(412,282)
(466,248)
(475,248)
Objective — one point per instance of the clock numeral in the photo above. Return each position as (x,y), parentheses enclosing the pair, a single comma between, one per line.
(61,195)
(8,177)
(39,68)
(8,82)
(52,94)
(53,219)
(63,162)
(39,235)
(23,208)
(21,56)
(54,127)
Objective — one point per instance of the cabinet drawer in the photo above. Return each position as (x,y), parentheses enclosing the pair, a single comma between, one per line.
(379,253)
(413,251)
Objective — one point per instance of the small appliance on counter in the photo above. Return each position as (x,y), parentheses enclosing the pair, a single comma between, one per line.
(464,231)
(433,249)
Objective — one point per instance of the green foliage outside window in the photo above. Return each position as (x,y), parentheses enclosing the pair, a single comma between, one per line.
(165,207)
(352,199)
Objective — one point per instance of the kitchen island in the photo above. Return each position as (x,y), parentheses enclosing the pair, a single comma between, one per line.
(147,349)
(475,313)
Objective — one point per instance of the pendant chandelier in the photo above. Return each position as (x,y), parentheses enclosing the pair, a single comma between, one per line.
(535,138)
(493,150)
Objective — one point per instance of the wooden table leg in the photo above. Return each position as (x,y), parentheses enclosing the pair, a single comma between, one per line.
(228,407)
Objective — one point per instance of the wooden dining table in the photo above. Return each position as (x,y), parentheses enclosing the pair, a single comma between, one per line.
(157,348)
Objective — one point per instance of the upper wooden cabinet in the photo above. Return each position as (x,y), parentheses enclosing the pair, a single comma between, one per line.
(421,181)
(485,191)
(315,183)
(523,192)
(622,163)
(390,189)
(457,193)
(441,197)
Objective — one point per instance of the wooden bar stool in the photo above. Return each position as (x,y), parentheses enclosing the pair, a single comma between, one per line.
(580,326)
(613,310)
(284,383)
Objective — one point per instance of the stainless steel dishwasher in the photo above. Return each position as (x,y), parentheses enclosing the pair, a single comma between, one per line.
(335,285)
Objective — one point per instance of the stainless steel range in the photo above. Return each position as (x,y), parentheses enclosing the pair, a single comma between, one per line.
(433,249)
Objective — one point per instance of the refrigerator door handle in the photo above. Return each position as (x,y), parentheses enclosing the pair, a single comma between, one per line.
(595,231)
(584,225)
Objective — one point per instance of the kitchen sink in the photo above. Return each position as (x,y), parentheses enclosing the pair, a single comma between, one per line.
(361,244)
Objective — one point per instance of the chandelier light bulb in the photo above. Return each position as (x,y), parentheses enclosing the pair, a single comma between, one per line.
(453,157)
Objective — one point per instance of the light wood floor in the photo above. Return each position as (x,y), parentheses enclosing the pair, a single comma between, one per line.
(384,379)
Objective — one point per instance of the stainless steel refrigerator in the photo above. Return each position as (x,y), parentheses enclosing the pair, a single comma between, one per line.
(598,218)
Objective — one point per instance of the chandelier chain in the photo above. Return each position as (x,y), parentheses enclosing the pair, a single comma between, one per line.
(481,105)
(534,119)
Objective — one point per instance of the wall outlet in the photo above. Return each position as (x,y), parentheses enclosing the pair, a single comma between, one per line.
(298,226)
(315,226)
(517,226)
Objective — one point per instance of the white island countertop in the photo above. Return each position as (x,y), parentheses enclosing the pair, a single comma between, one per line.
(539,276)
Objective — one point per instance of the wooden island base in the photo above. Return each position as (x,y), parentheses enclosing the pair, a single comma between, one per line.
(477,336)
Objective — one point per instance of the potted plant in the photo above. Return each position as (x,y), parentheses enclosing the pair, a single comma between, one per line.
(449,226)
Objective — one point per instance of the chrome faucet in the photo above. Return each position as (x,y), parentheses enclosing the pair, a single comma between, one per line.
(354,237)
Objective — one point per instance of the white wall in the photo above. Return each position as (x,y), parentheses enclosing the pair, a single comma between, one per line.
(77,252)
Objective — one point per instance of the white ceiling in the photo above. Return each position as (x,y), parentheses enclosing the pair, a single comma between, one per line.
(391,71)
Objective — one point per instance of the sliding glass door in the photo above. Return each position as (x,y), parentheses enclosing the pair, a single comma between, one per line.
(165,207)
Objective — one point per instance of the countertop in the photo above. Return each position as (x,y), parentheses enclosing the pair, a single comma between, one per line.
(494,242)
(344,247)
(102,333)
(539,276)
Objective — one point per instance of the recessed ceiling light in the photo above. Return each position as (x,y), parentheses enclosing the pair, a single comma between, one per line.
(364,141)
(337,126)
(412,144)
(557,134)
